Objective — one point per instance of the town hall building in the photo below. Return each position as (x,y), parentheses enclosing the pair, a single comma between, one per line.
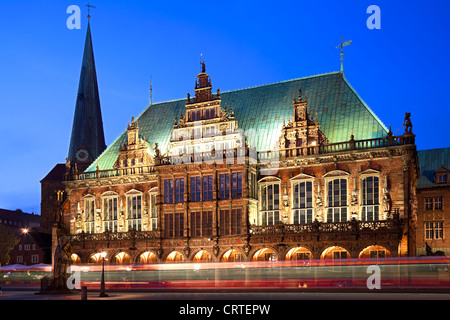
(296,170)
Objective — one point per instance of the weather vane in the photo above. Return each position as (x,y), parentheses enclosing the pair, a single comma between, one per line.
(342,45)
(89,10)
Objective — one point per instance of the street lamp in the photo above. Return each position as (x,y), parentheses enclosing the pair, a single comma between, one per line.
(102,284)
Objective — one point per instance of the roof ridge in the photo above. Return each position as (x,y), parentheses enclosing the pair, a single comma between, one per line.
(284,81)
(364,103)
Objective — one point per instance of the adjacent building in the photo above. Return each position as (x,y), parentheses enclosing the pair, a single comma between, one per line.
(433,195)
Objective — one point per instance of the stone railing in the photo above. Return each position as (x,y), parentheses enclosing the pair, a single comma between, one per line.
(326,227)
(98,174)
(349,145)
(114,236)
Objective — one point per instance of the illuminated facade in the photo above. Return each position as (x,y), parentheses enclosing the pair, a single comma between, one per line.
(300,169)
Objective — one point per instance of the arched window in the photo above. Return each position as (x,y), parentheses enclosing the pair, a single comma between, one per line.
(89,214)
(370,199)
(270,201)
(134,210)
(337,200)
(302,202)
(110,217)
(153,209)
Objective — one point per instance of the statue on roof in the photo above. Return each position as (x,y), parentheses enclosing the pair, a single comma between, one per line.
(203,66)
(407,123)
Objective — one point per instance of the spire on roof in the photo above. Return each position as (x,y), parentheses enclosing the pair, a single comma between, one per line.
(87,141)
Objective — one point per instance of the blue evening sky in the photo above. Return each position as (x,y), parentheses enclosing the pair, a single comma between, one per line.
(403,67)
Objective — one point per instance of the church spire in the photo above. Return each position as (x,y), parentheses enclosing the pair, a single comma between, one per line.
(87,141)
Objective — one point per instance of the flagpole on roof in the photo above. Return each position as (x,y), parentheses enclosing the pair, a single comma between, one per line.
(342,45)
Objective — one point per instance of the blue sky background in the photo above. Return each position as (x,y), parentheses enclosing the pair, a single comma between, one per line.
(402,67)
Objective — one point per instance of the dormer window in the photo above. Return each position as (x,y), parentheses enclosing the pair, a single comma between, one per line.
(441,175)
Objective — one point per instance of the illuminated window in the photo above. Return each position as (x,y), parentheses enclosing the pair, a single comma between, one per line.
(270,203)
(110,219)
(337,200)
(370,199)
(134,211)
(89,213)
(153,212)
(302,202)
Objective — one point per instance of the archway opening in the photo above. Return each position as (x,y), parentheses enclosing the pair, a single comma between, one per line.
(298,253)
(148,257)
(374,252)
(95,258)
(175,257)
(335,253)
(202,256)
(265,254)
(75,259)
(121,258)
(232,255)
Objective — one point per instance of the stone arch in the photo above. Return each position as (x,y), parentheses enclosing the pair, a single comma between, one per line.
(233,255)
(299,253)
(334,253)
(121,258)
(203,256)
(95,258)
(75,259)
(147,257)
(175,256)
(265,254)
(374,252)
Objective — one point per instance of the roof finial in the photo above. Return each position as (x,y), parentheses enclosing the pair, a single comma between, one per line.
(151,90)
(342,45)
(89,10)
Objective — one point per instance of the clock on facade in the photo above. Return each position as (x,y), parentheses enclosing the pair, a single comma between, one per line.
(82,155)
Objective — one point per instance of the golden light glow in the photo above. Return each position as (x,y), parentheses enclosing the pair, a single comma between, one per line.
(175,256)
(148,257)
(265,254)
(298,253)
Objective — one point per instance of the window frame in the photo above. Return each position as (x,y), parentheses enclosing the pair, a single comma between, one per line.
(298,211)
(114,219)
(89,218)
(134,218)
(269,215)
(330,177)
(376,201)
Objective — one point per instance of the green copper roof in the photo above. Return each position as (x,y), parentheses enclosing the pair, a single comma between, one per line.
(429,161)
(260,112)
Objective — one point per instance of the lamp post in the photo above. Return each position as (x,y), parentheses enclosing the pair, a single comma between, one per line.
(102,284)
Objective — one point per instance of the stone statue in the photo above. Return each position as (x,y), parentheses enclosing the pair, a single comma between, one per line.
(407,123)
(157,151)
(203,66)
